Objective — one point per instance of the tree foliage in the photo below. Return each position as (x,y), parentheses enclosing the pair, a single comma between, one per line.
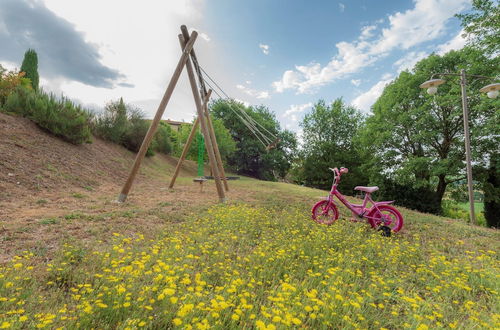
(225,142)
(251,157)
(30,67)
(482,25)
(418,139)
(330,133)
(10,81)
(125,124)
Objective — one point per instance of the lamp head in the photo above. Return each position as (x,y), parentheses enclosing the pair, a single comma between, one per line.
(432,90)
(491,90)
(431,85)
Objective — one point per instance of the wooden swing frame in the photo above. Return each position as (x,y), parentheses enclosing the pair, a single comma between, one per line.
(188,59)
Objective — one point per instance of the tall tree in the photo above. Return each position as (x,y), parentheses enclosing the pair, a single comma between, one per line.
(491,189)
(251,157)
(30,67)
(329,133)
(418,139)
(482,25)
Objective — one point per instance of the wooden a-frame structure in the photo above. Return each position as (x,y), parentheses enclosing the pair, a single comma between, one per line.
(201,98)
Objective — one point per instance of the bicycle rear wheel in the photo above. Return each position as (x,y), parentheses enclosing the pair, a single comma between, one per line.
(386,215)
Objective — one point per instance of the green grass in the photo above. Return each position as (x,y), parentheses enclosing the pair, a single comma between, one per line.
(478,207)
(262,264)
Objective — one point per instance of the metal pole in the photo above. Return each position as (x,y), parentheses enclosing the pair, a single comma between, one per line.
(470,184)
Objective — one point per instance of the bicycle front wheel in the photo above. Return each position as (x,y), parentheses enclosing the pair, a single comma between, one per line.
(325,213)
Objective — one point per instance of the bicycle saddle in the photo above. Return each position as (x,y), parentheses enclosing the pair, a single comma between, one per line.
(366,189)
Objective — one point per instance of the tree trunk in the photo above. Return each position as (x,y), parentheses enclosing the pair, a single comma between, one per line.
(441,187)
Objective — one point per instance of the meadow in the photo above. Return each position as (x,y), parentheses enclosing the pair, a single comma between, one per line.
(262,264)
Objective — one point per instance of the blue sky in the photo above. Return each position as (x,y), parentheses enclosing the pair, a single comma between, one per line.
(283,54)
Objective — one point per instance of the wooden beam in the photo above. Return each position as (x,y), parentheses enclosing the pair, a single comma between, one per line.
(188,144)
(159,113)
(203,124)
(220,165)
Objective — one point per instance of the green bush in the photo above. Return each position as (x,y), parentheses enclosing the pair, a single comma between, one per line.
(452,209)
(423,199)
(113,123)
(10,81)
(20,101)
(124,124)
(162,139)
(60,117)
(133,137)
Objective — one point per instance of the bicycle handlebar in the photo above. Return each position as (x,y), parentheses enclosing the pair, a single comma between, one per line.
(338,174)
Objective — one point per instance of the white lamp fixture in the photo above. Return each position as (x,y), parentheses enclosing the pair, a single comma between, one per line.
(491,90)
(431,85)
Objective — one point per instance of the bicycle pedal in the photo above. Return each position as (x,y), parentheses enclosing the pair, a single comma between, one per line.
(386,231)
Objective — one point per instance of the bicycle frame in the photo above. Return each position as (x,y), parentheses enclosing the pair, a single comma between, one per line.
(360,210)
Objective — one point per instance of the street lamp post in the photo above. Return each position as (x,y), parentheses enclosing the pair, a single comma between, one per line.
(492,91)
(468,158)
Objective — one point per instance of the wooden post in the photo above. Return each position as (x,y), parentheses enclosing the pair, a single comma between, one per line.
(220,165)
(188,144)
(203,124)
(203,91)
(159,113)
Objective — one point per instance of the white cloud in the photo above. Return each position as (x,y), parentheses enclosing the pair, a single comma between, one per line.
(202,35)
(409,60)
(367,32)
(144,47)
(245,103)
(10,66)
(341,7)
(456,43)
(296,109)
(356,82)
(367,99)
(425,22)
(253,92)
(265,48)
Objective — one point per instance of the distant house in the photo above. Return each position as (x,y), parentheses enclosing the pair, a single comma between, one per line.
(175,125)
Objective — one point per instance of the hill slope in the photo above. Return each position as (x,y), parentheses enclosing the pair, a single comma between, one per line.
(175,258)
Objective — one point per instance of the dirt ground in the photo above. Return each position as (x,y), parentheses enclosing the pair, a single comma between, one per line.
(53,192)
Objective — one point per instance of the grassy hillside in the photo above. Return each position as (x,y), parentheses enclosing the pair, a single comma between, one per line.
(73,258)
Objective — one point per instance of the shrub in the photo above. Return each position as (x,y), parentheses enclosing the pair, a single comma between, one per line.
(113,123)
(60,117)
(20,101)
(452,209)
(136,131)
(162,139)
(125,125)
(11,81)
(422,198)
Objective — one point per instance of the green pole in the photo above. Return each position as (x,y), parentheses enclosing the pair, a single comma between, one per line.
(201,154)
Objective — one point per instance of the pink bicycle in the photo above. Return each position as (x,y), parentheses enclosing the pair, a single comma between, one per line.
(380,215)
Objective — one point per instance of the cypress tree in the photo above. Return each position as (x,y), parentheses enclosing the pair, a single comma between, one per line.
(30,67)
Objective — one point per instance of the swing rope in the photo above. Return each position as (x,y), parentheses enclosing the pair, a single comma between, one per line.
(268,139)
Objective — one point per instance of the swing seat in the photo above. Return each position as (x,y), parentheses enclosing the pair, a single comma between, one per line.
(200,180)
